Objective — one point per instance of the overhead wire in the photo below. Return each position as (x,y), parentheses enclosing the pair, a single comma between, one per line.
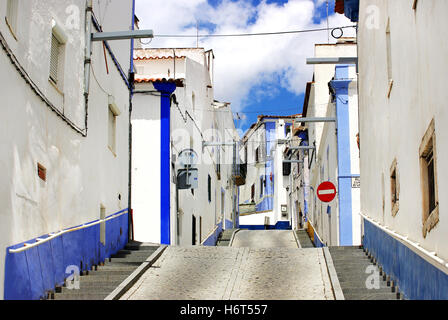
(248,34)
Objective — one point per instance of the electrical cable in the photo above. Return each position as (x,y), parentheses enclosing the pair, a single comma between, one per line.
(248,34)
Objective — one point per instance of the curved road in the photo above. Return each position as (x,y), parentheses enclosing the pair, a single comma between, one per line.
(261,265)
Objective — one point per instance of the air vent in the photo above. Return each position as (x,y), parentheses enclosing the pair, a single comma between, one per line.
(42,172)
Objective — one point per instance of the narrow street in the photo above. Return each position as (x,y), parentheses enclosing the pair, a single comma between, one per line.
(260,265)
(223,150)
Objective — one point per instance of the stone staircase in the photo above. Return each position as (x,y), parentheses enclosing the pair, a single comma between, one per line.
(351,264)
(224,238)
(304,239)
(102,280)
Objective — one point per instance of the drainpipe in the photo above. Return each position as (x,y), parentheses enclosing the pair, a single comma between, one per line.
(131,93)
(88,56)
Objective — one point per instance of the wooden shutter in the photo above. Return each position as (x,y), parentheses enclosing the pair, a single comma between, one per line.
(54,59)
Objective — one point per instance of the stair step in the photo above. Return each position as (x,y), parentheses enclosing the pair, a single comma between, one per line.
(116,267)
(83,296)
(100,289)
(106,277)
(139,246)
(371,296)
(353,284)
(130,253)
(128,260)
(361,266)
(95,284)
(364,290)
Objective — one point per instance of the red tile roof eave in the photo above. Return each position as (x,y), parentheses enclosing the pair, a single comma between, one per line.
(150,80)
(339,7)
(157,58)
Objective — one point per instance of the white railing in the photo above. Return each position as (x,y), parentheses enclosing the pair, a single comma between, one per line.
(414,246)
(39,241)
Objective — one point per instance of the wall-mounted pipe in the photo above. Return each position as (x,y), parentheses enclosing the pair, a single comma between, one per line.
(87,59)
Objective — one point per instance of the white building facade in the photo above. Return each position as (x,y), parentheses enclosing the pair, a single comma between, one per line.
(64,141)
(334,153)
(402,105)
(263,199)
(174,114)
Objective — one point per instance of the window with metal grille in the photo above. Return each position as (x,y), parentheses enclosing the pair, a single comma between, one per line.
(394,188)
(428,169)
(54,59)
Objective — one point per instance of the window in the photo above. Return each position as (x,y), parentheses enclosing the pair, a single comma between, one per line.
(57,54)
(257,155)
(193,230)
(11,15)
(261,186)
(209,188)
(252,193)
(428,170)
(113,113)
(394,188)
(54,59)
(112,127)
(414,4)
(389,58)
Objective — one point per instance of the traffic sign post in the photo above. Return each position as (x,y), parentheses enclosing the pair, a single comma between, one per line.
(326,191)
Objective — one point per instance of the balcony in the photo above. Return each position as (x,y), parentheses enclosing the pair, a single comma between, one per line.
(239,174)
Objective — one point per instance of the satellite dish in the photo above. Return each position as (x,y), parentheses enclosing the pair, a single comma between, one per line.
(188,158)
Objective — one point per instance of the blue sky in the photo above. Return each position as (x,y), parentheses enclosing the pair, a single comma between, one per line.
(258,75)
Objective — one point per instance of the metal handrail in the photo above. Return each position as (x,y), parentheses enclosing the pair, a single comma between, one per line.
(40,241)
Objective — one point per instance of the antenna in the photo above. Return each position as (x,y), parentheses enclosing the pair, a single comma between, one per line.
(328,25)
(197,34)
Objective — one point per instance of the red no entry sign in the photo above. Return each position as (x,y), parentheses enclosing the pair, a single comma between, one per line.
(326,191)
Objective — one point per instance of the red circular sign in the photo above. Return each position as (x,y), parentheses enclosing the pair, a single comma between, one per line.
(326,191)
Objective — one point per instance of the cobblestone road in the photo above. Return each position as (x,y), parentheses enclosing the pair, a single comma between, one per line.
(237,273)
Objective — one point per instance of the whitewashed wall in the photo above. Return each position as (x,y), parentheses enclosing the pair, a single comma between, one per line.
(82,173)
(191,124)
(394,127)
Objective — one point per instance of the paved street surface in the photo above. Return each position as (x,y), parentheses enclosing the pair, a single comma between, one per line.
(265,239)
(237,273)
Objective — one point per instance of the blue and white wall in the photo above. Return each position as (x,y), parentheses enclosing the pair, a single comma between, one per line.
(48,124)
(163,126)
(394,117)
(272,195)
(336,158)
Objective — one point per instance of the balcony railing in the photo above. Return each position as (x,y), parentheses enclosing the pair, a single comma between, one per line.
(240,173)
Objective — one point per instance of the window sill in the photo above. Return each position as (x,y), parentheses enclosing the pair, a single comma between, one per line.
(11,29)
(431,221)
(56,87)
(395,209)
(112,150)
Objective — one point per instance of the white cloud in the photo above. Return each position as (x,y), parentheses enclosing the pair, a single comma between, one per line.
(244,62)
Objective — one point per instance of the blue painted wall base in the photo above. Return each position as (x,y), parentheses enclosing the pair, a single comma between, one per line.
(416,278)
(280,225)
(32,273)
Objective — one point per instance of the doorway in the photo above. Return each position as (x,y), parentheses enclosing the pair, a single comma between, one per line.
(193,230)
